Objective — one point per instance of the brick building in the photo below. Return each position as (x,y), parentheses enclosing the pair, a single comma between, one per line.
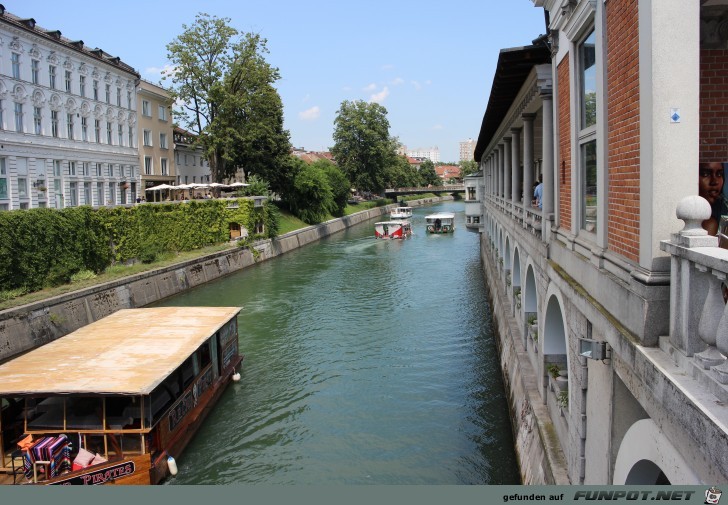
(612,109)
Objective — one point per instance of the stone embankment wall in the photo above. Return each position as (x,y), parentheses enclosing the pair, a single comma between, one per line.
(29,326)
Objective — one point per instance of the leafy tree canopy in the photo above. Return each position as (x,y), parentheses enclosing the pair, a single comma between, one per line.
(362,146)
(224,90)
(468,167)
(428,174)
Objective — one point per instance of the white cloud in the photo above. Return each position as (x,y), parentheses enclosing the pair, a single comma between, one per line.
(397,81)
(437,127)
(370,87)
(311,114)
(379,97)
(167,69)
(417,85)
(388,66)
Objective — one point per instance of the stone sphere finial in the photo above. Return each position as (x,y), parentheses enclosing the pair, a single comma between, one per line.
(693,210)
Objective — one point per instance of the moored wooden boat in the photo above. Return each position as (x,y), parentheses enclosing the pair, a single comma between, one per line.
(116,401)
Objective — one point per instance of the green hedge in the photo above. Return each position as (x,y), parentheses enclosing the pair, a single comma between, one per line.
(45,247)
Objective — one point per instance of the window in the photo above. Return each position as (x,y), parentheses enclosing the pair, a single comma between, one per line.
(19,117)
(22,187)
(163,165)
(131,136)
(35,71)
(84,129)
(52,76)
(97,169)
(128,99)
(108,132)
(87,194)
(100,192)
(96,89)
(15,62)
(587,140)
(112,193)
(146,110)
(2,119)
(147,165)
(163,140)
(108,93)
(120,134)
(68,81)
(147,136)
(3,180)
(73,194)
(69,125)
(84,169)
(54,123)
(37,120)
(82,85)
(162,113)
(57,168)
(72,168)
(97,130)
(118,97)
(58,191)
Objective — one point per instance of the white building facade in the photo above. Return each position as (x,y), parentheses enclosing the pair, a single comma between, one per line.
(431,153)
(67,121)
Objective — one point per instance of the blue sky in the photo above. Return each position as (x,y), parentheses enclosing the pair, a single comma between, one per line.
(430,63)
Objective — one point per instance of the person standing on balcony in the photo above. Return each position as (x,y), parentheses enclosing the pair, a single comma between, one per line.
(710,187)
(538,193)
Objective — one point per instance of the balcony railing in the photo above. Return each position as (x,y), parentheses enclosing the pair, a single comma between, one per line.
(698,293)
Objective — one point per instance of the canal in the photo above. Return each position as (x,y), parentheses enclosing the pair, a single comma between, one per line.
(367,362)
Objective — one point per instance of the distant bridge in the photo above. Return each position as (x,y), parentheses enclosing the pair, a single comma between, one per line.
(449,188)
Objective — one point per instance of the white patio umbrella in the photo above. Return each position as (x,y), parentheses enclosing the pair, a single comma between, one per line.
(238,185)
(159,188)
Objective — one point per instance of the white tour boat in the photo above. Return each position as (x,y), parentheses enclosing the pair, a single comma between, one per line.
(441,222)
(401,213)
(393,229)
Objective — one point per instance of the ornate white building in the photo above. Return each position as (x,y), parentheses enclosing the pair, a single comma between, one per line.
(68,121)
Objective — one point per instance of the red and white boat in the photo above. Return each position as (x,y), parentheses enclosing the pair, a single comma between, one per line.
(393,229)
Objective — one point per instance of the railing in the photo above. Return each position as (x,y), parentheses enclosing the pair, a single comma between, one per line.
(698,291)
(530,218)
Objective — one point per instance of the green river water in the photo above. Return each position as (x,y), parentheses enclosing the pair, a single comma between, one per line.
(366,362)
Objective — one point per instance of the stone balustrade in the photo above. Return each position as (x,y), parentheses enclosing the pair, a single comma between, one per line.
(698,340)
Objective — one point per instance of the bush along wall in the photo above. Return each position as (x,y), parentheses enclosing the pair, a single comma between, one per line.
(45,247)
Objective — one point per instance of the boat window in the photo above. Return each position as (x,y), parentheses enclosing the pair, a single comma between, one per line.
(187,372)
(45,413)
(84,413)
(11,420)
(204,353)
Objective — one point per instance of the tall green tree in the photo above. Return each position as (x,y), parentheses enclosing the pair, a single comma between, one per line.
(468,167)
(223,88)
(428,174)
(310,198)
(339,183)
(362,146)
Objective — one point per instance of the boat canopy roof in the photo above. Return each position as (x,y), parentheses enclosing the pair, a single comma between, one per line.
(129,352)
(441,215)
(393,222)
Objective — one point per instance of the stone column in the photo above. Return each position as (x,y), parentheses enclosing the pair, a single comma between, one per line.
(548,155)
(507,168)
(516,165)
(528,159)
(501,170)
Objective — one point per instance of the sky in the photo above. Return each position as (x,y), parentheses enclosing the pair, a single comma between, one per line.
(429,63)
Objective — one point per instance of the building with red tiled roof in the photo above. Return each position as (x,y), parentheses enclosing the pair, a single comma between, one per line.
(447,172)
